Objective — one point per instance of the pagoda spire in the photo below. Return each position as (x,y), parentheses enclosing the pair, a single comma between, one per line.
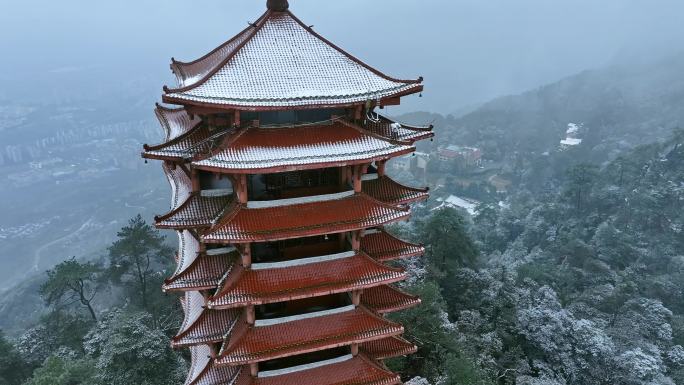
(277,5)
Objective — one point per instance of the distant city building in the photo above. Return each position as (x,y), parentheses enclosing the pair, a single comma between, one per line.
(468,156)
(454,202)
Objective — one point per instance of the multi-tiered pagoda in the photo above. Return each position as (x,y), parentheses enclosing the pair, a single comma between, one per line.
(277,159)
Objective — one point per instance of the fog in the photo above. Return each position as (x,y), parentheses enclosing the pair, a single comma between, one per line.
(468,50)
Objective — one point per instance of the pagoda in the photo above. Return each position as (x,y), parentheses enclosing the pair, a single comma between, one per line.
(277,158)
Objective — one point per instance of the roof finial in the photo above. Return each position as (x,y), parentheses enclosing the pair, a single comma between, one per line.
(277,5)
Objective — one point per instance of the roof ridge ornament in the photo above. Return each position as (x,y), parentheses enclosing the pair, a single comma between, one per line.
(277,5)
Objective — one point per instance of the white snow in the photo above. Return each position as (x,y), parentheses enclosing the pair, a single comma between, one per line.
(457,202)
(297,201)
(294,369)
(286,65)
(361,147)
(572,128)
(303,261)
(571,142)
(278,321)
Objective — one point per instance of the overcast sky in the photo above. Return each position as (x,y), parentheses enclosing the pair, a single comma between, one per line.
(468,50)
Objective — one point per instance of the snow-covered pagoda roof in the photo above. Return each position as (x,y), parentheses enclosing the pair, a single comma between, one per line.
(261,149)
(390,129)
(204,272)
(197,211)
(175,121)
(311,333)
(304,278)
(316,146)
(202,325)
(279,62)
(204,371)
(303,217)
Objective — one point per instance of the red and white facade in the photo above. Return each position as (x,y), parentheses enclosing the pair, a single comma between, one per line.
(276,161)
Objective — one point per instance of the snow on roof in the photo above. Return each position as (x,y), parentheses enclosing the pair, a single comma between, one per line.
(456,202)
(283,63)
(261,148)
(573,128)
(571,142)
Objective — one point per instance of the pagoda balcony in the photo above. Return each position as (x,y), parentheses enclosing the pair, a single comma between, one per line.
(302,278)
(299,248)
(305,333)
(301,217)
(297,184)
(343,370)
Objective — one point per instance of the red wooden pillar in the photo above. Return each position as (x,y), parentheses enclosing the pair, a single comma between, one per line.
(250,314)
(356,175)
(246,254)
(382,166)
(242,194)
(196,185)
(356,297)
(236,118)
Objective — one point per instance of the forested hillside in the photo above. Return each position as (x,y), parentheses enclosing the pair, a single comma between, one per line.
(619,106)
(573,276)
(581,285)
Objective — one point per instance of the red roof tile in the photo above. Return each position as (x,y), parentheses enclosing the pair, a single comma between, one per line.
(244,287)
(262,68)
(263,343)
(188,251)
(385,247)
(203,371)
(203,273)
(191,72)
(387,299)
(359,211)
(198,140)
(261,150)
(201,325)
(197,211)
(388,348)
(387,190)
(175,121)
(181,185)
(355,371)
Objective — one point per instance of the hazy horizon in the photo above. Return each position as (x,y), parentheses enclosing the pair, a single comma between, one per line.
(468,51)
